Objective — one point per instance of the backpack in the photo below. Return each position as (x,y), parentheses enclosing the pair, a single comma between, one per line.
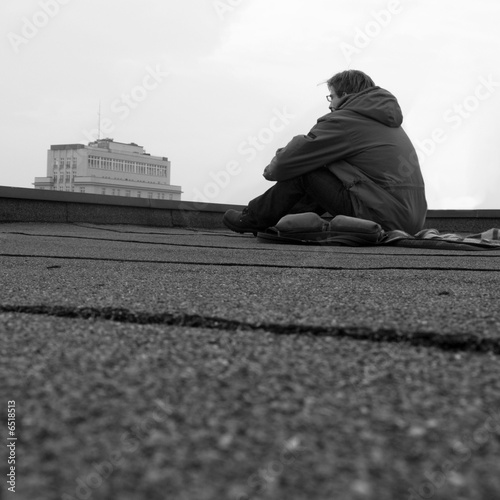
(310,228)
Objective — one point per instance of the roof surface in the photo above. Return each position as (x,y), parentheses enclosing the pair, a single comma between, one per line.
(154,363)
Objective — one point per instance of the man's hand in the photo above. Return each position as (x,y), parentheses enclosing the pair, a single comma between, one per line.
(267,174)
(267,171)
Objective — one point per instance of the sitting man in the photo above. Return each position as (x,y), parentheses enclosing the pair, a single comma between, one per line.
(356,161)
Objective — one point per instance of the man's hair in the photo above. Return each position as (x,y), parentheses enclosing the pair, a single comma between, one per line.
(351,81)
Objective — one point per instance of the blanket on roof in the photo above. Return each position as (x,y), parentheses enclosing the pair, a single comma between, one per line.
(310,228)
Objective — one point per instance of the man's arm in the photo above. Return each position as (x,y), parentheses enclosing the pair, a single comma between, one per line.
(325,143)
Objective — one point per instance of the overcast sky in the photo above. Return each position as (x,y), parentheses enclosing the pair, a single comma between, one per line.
(218,85)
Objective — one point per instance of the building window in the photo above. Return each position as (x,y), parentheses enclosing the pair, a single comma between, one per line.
(92,162)
(112,192)
(127,192)
(138,194)
(82,190)
(150,195)
(103,191)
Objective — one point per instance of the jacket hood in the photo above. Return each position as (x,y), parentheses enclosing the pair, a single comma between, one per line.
(375,103)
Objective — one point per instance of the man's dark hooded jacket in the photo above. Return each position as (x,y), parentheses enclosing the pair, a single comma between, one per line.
(363,144)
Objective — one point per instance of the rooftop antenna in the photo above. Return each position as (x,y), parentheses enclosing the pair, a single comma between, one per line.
(99,123)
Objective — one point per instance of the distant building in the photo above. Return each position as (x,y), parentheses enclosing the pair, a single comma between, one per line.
(110,168)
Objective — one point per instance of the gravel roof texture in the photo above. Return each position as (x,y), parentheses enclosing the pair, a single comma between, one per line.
(151,363)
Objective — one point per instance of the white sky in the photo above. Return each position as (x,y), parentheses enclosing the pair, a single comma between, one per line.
(228,71)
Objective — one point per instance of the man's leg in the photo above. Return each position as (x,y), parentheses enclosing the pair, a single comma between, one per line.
(319,186)
(307,204)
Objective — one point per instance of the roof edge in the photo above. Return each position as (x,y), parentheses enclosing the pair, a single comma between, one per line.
(70,197)
(39,205)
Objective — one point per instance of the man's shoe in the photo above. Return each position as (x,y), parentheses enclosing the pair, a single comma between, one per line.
(241,222)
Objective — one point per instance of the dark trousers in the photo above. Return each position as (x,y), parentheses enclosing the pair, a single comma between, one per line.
(318,191)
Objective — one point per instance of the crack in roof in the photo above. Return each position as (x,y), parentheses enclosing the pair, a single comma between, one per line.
(447,342)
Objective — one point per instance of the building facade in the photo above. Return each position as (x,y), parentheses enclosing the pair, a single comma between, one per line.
(107,167)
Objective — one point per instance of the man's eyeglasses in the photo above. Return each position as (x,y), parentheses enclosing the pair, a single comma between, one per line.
(331,97)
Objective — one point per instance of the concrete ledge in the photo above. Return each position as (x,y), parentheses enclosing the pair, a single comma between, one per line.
(36,205)
(462,221)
